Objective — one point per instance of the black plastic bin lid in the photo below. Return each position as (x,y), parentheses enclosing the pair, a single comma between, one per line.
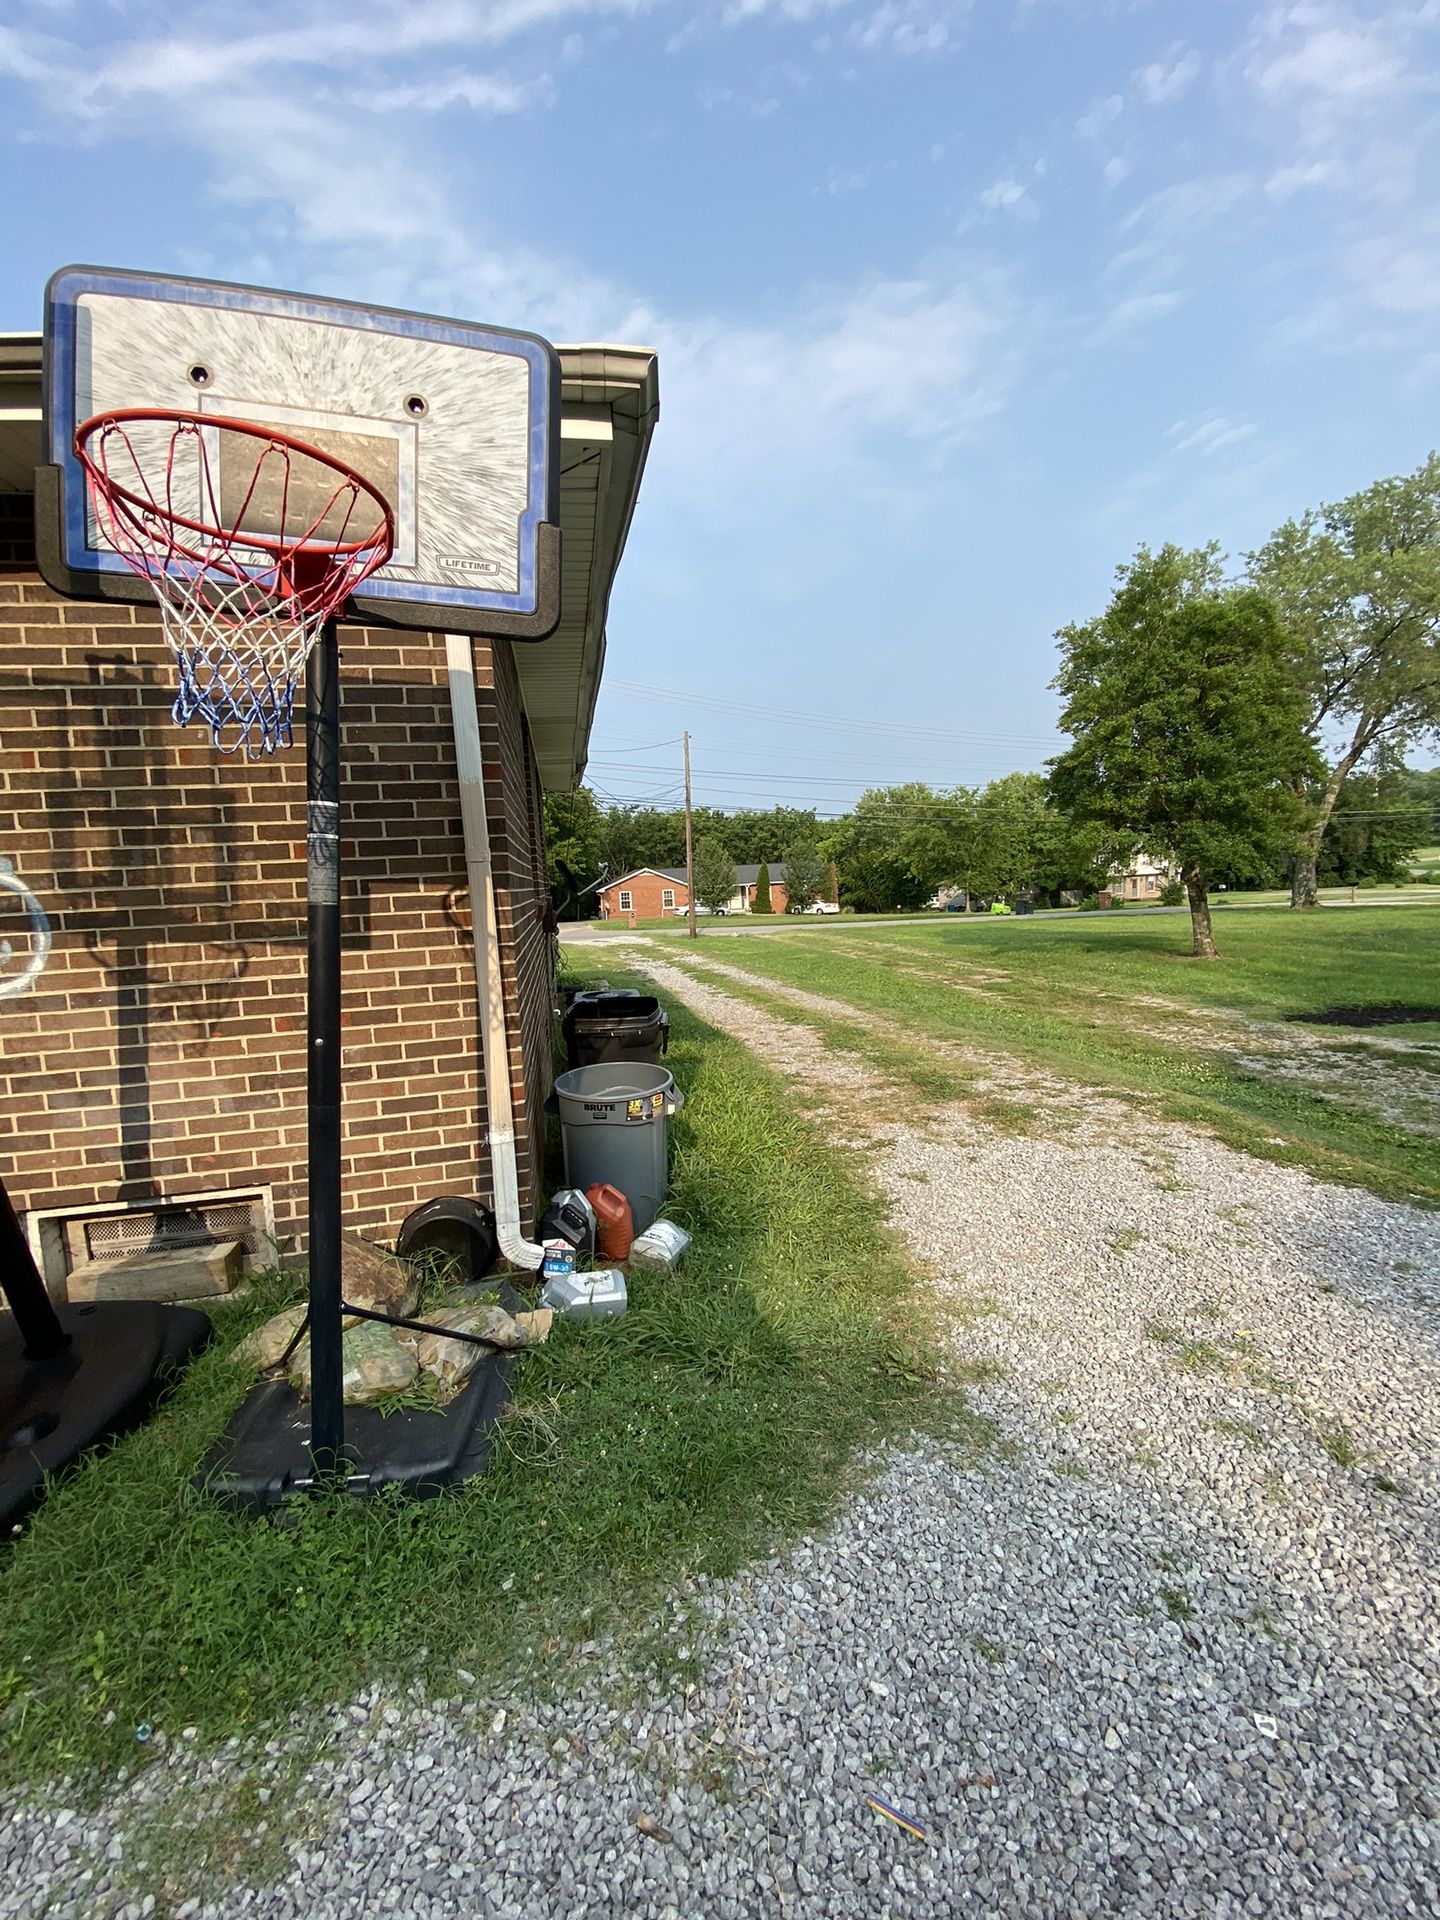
(630,1008)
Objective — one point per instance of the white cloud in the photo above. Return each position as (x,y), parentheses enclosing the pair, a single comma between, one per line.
(840,180)
(1209,435)
(355,204)
(1346,94)
(1188,205)
(1287,181)
(928,360)
(1100,115)
(1327,52)
(909,26)
(1399,272)
(28,56)
(736,14)
(1169,79)
(484,92)
(1131,315)
(1007,196)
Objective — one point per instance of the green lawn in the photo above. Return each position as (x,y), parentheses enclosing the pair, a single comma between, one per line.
(723,1412)
(1413,894)
(1113,1002)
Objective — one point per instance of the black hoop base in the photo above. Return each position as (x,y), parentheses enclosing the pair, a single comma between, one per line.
(265,1456)
(117,1360)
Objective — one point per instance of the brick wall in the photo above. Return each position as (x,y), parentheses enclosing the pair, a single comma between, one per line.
(779,899)
(162,1050)
(647,891)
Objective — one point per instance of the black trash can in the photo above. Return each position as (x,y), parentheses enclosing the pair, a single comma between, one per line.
(627,1029)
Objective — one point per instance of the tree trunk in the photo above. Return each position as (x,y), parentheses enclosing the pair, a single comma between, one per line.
(1203,947)
(1303,888)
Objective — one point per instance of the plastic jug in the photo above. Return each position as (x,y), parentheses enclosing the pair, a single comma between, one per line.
(586,1296)
(614,1223)
(569,1216)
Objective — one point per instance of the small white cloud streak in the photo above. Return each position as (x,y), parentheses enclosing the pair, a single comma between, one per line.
(1170,79)
(1285,182)
(1006,196)
(910,26)
(484,92)
(1100,115)
(1209,436)
(1132,315)
(1188,205)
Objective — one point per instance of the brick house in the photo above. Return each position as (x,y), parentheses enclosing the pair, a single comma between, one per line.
(156,1066)
(1144,878)
(658,893)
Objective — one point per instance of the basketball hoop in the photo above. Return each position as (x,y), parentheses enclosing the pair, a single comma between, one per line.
(251,541)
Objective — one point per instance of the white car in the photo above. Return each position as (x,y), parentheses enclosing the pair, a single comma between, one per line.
(823,906)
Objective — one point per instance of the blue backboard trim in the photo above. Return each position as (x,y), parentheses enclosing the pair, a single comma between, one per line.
(68,286)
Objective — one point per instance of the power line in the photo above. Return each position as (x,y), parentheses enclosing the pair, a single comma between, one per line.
(795,780)
(788,756)
(942,807)
(790,718)
(650,747)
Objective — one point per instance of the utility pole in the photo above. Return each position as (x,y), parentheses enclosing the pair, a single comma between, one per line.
(689,846)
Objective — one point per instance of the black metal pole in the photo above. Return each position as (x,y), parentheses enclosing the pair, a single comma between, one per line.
(21,1283)
(322,825)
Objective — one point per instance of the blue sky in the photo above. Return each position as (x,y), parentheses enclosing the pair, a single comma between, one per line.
(957,301)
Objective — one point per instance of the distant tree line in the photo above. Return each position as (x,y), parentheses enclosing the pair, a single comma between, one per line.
(1251,728)
(900,846)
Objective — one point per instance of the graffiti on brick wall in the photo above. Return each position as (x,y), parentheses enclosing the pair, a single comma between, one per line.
(21,965)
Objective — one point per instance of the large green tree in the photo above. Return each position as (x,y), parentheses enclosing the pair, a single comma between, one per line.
(1188,722)
(1358,588)
(881,846)
(762,903)
(574,848)
(753,835)
(714,874)
(805,875)
(1374,830)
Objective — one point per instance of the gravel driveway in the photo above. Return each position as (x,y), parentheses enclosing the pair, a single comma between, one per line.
(1169,1648)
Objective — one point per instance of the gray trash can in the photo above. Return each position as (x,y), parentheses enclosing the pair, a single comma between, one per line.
(613,1125)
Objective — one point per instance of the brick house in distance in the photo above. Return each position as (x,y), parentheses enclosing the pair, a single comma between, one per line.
(1145,877)
(153,1071)
(661,893)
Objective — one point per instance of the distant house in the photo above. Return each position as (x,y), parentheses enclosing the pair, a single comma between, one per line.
(1143,878)
(660,893)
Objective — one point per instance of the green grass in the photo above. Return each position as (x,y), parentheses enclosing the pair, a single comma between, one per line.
(1092,1000)
(723,1413)
(912,1066)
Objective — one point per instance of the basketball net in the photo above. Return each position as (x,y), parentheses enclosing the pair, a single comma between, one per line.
(250,541)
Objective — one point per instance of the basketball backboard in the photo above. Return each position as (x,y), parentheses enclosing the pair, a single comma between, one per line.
(457,425)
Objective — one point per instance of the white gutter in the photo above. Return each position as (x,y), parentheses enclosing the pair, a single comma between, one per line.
(489,988)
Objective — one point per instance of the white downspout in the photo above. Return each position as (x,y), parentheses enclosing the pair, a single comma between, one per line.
(489,988)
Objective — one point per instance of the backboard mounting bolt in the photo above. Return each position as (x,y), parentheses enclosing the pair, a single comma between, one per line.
(199,376)
(417,405)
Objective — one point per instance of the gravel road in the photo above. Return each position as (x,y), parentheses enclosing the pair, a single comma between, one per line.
(1169,1648)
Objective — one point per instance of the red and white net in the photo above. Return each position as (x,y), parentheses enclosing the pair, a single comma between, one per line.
(250,541)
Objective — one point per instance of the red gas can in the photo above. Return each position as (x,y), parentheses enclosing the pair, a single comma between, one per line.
(614,1222)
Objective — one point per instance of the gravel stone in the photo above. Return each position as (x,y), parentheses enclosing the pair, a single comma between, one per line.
(1154,1652)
